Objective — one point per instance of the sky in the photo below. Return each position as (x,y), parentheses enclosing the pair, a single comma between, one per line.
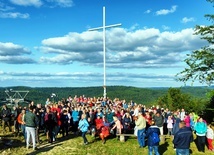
(47,43)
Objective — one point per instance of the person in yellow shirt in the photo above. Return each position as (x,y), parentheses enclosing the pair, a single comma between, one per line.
(141,126)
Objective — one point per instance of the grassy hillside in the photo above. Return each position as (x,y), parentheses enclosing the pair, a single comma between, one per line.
(72,145)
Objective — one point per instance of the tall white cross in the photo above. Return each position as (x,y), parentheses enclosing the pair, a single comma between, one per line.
(104,47)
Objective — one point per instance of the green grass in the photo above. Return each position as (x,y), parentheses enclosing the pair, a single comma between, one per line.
(72,145)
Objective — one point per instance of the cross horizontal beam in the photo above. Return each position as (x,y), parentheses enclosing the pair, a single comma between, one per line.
(98,28)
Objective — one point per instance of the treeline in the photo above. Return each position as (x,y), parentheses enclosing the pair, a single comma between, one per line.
(138,95)
(193,99)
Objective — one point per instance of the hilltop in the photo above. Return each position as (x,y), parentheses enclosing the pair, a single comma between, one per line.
(138,95)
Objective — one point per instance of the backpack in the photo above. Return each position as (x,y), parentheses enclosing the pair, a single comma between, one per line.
(155,138)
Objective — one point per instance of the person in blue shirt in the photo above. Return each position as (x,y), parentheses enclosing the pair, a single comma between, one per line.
(125,105)
(109,117)
(152,145)
(182,139)
(83,127)
(99,113)
(200,130)
(75,120)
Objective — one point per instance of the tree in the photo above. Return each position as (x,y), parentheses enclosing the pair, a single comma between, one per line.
(201,62)
(210,96)
(175,99)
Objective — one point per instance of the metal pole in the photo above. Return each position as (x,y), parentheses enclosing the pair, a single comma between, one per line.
(104,53)
(104,47)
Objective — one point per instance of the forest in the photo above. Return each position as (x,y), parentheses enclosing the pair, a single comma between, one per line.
(196,99)
(138,95)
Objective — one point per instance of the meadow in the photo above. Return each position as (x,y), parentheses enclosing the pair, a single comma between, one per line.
(73,145)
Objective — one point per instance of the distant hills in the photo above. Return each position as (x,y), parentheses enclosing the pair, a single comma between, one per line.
(138,95)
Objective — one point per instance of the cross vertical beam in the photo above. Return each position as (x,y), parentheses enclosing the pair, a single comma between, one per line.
(104,53)
(104,48)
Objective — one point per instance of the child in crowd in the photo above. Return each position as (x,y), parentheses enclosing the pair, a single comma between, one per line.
(210,136)
(169,125)
(117,125)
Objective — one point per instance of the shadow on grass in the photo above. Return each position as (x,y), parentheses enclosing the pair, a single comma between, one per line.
(10,140)
(44,148)
(163,147)
(111,136)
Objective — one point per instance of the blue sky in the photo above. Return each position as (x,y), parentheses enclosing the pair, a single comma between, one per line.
(46,43)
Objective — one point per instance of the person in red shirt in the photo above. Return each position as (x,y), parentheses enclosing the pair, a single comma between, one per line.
(59,123)
(102,130)
(148,118)
(20,120)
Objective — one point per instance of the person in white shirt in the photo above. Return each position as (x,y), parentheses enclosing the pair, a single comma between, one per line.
(136,111)
(210,136)
(182,114)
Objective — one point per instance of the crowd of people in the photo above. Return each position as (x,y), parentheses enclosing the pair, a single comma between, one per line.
(102,117)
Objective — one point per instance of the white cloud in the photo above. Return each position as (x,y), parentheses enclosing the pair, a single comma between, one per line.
(147,11)
(164,27)
(14,15)
(142,48)
(54,78)
(36,3)
(62,59)
(186,20)
(39,3)
(134,27)
(61,3)
(1,72)
(4,7)
(16,60)
(90,41)
(6,12)
(14,54)
(12,49)
(165,11)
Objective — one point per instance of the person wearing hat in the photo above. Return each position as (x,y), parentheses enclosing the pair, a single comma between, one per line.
(141,126)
